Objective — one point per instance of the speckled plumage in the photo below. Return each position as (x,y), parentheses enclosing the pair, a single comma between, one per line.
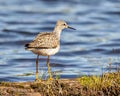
(44,41)
(44,44)
(47,43)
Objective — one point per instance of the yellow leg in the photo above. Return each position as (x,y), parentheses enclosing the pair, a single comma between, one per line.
(48,65)
(37,68)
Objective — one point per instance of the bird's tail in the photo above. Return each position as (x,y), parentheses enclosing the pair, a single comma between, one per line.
(27,46)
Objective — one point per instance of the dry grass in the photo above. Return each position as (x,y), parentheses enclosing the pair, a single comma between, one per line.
(107,85)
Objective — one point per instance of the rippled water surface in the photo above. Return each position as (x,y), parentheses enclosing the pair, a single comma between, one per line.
(87,51)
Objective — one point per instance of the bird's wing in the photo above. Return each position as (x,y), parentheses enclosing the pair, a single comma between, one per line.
(44,41)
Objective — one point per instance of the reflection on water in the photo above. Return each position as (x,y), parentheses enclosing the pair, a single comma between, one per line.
(87,51)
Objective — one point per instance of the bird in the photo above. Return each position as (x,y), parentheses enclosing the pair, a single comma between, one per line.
(47,44)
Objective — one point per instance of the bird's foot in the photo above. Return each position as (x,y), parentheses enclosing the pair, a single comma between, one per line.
(50,79)
(38,80)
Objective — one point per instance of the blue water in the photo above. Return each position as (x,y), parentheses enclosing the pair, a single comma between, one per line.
(87,51)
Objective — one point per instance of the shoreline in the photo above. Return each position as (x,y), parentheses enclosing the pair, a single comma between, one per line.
(108,85)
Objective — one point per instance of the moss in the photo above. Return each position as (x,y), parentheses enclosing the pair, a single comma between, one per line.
(108,84)
(90,82)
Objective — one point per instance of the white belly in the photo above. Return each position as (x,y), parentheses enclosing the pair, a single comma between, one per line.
(46,52)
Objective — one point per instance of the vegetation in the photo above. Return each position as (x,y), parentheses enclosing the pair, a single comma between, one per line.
(106,85)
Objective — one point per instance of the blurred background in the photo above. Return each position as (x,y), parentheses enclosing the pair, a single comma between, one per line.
(92,49)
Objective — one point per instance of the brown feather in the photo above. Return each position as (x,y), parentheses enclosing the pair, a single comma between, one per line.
(44,41)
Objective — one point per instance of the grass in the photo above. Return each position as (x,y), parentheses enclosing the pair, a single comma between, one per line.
(106,85)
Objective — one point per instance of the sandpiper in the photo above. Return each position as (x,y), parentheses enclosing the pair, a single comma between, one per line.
(47,44)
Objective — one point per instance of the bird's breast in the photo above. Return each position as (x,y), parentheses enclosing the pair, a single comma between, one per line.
(46,52)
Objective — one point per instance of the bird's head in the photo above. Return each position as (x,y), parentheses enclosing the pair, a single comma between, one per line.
(62,25)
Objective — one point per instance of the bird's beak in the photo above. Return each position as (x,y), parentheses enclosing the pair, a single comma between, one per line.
(71,28)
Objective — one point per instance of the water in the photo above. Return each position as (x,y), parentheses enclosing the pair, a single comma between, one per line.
(87,51)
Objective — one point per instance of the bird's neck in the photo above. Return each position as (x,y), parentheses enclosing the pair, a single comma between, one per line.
(57,32)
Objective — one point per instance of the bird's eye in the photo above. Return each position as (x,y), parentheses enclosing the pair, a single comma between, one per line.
(64,24)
